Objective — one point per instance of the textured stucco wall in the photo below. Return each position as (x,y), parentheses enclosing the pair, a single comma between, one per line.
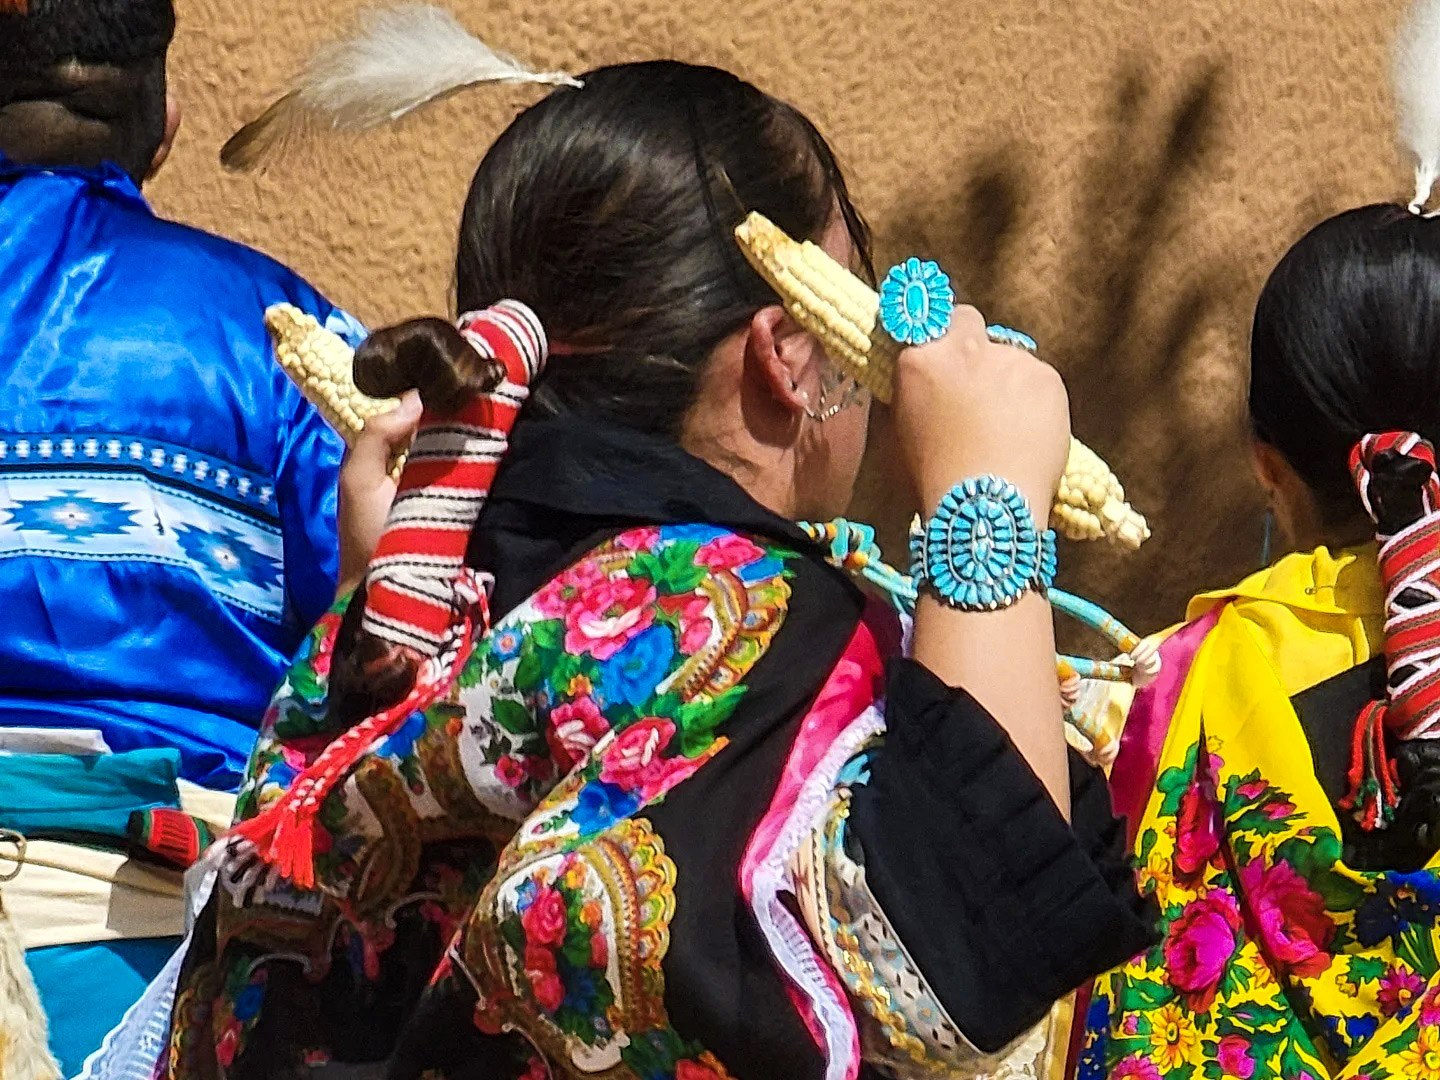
(1114,176)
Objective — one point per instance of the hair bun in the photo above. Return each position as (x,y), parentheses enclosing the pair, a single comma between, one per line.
(429,355)
(1395,475)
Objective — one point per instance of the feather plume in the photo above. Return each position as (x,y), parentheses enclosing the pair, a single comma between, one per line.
(397,60)
(1417,95)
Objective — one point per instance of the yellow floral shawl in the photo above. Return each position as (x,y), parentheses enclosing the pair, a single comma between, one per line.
(1275,958)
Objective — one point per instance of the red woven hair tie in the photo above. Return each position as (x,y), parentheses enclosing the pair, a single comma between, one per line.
(1410,572)
(420,597)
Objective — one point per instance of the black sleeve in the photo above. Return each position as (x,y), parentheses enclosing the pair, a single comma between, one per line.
(1004,907)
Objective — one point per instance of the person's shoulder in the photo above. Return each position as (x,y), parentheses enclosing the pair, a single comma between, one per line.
(220,262)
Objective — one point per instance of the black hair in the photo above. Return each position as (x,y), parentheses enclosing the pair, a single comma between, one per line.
(1346,342)
(610,211)
(83,81)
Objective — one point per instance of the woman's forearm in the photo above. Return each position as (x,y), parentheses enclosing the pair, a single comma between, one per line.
(1006,660)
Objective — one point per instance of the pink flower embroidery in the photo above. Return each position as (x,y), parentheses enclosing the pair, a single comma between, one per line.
(574,729)
(511,771)
(633,759)
(644,538)
(1200,944)
(599,950)
(1251,789)
(544,980)
(1197,835)
(1135,1067)
(1234,1057)
(1280,810)
(551,601)
(728,552)
(1430,1008)
(1399,987)
(544,919)
(602,618)
(1290,915)
(693,613)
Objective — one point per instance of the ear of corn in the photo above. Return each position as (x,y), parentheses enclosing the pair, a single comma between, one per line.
(843,314)
(322,365)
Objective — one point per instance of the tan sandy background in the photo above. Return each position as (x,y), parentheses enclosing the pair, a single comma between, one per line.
(1116,177)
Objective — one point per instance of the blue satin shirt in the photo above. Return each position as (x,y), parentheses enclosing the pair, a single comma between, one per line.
(167,497)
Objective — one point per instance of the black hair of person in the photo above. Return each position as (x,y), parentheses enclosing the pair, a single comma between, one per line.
(610,211)
(1346,342)
(82,82)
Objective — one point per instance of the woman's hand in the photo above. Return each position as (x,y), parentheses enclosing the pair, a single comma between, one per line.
(366,489)
(965,407)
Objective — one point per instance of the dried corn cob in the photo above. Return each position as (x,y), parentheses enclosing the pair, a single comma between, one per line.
(1091,502)
(322,365)
(843,313)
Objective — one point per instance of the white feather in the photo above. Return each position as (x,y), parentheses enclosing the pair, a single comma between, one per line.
(1417,94)
(397,60)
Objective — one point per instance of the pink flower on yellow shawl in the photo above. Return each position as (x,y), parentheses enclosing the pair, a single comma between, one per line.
(1135,1067)
(1197,835)
(1235,1057)
(1200,944)
(1399,987)
(1290,917)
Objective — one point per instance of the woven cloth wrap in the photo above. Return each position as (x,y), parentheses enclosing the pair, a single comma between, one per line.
(411,598)
(1410,570)
(420,596)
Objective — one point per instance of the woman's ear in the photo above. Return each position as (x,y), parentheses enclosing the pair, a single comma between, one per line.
(778,353)
(172,128)
(1271,468)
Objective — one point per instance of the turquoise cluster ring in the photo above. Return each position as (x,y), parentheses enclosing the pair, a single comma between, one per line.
(982,550)
(916,302)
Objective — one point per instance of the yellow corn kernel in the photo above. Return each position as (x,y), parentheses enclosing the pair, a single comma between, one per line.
(322,365)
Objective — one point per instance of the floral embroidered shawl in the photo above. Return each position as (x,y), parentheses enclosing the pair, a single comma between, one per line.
(1276,958)
(551,870)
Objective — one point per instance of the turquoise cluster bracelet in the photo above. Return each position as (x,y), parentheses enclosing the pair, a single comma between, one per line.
(982,550)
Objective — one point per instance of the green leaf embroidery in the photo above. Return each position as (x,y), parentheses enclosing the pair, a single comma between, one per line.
(547,634)
(672,569)
(512,716)
(1366,968)
(1139,995)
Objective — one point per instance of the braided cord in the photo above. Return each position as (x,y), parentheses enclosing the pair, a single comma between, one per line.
(1409,564)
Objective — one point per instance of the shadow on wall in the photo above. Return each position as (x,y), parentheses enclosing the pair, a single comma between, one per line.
(1150,344)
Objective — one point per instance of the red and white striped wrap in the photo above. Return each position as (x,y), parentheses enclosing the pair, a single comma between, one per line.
(1410,571)
(410,587)
(420,596)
